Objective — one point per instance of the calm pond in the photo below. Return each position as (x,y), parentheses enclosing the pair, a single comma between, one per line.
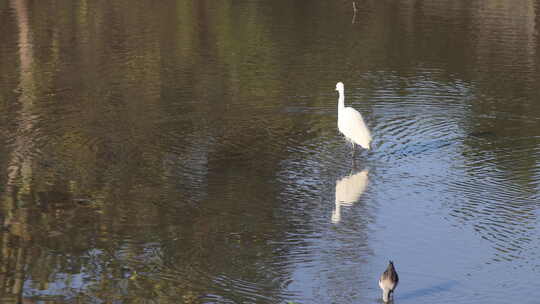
(188,152)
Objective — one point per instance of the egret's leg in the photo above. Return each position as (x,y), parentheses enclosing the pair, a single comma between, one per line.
(353,166)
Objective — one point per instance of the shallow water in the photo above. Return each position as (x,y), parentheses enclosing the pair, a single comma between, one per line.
(188,152)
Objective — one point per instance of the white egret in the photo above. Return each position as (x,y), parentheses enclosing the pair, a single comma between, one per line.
(350,122)
(388,281)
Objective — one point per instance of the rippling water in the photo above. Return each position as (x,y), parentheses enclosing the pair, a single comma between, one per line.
(188,152)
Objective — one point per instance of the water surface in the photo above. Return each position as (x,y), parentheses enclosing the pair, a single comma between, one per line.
(188,152)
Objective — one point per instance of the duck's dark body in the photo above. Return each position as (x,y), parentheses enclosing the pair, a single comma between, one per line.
(388,281)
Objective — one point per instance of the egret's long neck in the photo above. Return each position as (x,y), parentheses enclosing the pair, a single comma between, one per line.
(341,101)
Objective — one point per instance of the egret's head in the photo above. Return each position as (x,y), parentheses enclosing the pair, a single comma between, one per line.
(339,86)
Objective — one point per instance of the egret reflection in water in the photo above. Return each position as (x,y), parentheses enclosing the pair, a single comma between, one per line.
(348,190)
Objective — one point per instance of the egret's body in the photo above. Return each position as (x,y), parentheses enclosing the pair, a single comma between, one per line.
(350,122)
(388,281)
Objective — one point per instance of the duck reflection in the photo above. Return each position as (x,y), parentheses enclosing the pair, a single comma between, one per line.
(348,190)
